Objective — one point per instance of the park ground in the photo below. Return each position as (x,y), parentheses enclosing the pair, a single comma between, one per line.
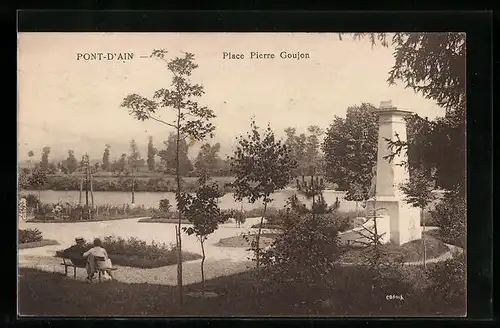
(44,290)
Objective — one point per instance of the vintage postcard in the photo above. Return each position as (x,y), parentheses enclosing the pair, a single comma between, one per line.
(241,174)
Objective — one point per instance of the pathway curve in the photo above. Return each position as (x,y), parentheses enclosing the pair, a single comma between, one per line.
(220,260)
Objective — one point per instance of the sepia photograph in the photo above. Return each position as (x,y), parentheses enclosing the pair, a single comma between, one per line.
(241,174)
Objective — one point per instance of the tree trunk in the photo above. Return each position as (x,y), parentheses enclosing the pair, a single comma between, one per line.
(179,240)
(92,192)
(202,266)
(133,187)
(81,190)
(257,252)
(423,239)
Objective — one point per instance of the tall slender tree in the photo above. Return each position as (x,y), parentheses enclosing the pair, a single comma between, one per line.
(190,120)
(151,155)
(106,165)
(44,163)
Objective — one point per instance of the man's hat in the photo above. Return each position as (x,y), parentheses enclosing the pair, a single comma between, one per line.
(79,239)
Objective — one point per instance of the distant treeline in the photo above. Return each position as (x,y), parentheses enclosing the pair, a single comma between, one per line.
(153,184)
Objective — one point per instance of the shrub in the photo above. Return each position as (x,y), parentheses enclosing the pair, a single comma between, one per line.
(29,236)
(450,215)
(32,201)
(448,282)
(305,252)
(164,205)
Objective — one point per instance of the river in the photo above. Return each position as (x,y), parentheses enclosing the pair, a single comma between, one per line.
(152,199)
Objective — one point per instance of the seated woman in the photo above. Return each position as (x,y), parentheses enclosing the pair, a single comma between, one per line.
(98,259)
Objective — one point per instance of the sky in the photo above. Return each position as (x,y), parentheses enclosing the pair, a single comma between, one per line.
(66,102)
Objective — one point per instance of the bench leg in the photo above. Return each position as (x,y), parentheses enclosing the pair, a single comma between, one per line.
(74,272)
(65,270)
(99,275)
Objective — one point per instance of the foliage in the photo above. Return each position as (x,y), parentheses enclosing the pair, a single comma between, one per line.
(37,178)
(261,165)
(165,205)
(448,281)
(451,216)
(305,148)
(152,151)
(202,209)
(350,148)
(32,201)
(190,120)
(71,212)
(203,212)
(29,235)
(44,163)
(304,253)
(208,158)
(70,165)
(122,183)
(106,165)
(433,64)
(168,156)
(134,252)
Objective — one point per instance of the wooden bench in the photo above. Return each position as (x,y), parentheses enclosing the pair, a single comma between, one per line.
(69,262)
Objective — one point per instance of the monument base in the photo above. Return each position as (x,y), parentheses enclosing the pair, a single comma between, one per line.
(404,219)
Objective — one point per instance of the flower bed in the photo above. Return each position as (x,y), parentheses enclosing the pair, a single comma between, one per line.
(29,236)
(69,212)
(41,243)
(137,253)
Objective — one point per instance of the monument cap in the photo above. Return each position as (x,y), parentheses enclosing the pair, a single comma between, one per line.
(385,104)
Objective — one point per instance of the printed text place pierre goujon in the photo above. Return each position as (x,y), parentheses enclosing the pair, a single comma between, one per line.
(122,56)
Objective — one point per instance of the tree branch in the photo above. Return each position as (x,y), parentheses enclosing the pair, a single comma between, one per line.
(161,121)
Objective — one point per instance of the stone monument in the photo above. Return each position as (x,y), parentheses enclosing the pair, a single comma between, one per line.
(404,219)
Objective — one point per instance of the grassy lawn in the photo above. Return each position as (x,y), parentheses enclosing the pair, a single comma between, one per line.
(412,251)
(44,242)
(239,241)
(160,220)
(50,294)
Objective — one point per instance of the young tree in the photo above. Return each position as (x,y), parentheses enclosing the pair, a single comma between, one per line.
(418,191)
(350,148)
(190,120)
(44,163)
(106,165)
(151,155)
(203,212)
(261,165)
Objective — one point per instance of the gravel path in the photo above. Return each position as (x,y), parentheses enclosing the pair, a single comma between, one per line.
(220,260)
(161,276)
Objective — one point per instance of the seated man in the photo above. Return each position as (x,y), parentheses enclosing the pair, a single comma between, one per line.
(97,259)
(77,250)
(76,254)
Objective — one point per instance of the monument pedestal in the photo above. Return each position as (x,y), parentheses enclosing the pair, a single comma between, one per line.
(404,219)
